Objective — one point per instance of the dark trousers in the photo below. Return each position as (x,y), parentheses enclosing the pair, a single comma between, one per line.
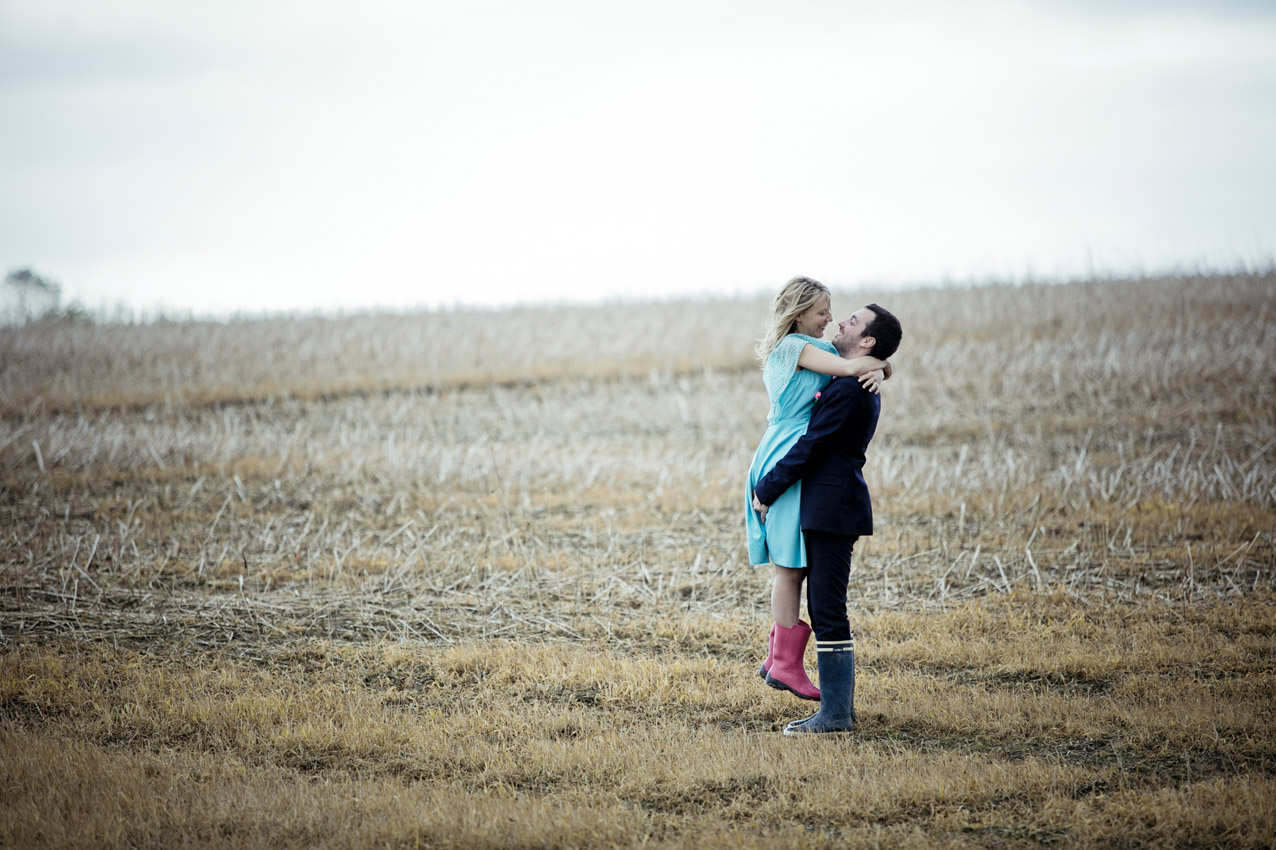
(828,559)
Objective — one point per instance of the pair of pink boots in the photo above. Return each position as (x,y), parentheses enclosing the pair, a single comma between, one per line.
(784,667)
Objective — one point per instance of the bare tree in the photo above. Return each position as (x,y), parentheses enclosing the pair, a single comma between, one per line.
(28,296)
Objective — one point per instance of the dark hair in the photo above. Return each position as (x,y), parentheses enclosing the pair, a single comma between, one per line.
(885,330)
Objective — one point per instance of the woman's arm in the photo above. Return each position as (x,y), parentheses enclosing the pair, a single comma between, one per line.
(820,361)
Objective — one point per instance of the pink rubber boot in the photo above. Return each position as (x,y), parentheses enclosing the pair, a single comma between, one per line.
(770,652)
(788,670)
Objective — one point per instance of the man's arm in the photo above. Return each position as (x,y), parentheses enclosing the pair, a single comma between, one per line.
(834,410)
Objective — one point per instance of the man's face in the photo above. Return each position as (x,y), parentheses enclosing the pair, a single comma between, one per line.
(851,331)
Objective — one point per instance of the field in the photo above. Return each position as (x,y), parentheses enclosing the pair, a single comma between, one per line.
(478,579)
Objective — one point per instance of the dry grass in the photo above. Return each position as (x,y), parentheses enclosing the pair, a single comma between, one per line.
(478,580)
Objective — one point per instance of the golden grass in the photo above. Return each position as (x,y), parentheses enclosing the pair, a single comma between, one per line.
(979,730)
(477,580)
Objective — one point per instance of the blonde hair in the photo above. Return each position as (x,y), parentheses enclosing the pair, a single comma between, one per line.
(798,295)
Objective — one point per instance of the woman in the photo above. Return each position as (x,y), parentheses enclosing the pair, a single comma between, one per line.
(797,365)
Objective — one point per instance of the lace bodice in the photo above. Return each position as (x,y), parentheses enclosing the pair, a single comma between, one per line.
(791,392)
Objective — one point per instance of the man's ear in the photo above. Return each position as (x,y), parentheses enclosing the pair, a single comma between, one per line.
(868,343)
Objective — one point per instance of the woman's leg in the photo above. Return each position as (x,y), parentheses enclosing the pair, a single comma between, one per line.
(788,649)
(786,596)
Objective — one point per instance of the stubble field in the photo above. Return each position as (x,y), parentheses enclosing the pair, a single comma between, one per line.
(477,579)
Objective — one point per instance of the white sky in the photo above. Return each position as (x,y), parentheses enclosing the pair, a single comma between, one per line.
(253,155)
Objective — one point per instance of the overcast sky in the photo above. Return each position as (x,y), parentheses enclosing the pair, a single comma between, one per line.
(261,155)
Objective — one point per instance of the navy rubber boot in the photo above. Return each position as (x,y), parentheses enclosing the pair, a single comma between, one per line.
(836,664)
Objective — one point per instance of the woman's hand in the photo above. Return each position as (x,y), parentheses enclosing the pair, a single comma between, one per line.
(872,381)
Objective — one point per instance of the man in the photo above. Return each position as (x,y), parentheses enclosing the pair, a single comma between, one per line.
(835,510)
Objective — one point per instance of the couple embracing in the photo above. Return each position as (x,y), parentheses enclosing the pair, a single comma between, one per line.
(808,502)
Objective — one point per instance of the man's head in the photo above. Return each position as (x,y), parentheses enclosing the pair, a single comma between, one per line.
(870,330)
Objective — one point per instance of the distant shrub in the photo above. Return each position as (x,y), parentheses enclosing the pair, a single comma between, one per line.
(28,297)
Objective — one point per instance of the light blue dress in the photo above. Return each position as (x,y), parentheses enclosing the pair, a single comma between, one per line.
(792,394)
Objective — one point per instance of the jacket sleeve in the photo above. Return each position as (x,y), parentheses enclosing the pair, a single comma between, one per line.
(834,411)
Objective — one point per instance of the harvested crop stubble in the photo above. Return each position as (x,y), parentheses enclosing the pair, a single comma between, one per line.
(305,582)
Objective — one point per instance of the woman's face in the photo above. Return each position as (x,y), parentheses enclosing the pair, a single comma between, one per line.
(813,321)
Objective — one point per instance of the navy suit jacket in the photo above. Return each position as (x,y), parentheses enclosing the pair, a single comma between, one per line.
(829,461)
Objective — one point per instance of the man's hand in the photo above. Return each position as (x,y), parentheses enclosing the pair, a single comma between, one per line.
(872,381)
(760,508)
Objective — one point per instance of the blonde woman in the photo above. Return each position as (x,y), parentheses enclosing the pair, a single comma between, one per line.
(797,365)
